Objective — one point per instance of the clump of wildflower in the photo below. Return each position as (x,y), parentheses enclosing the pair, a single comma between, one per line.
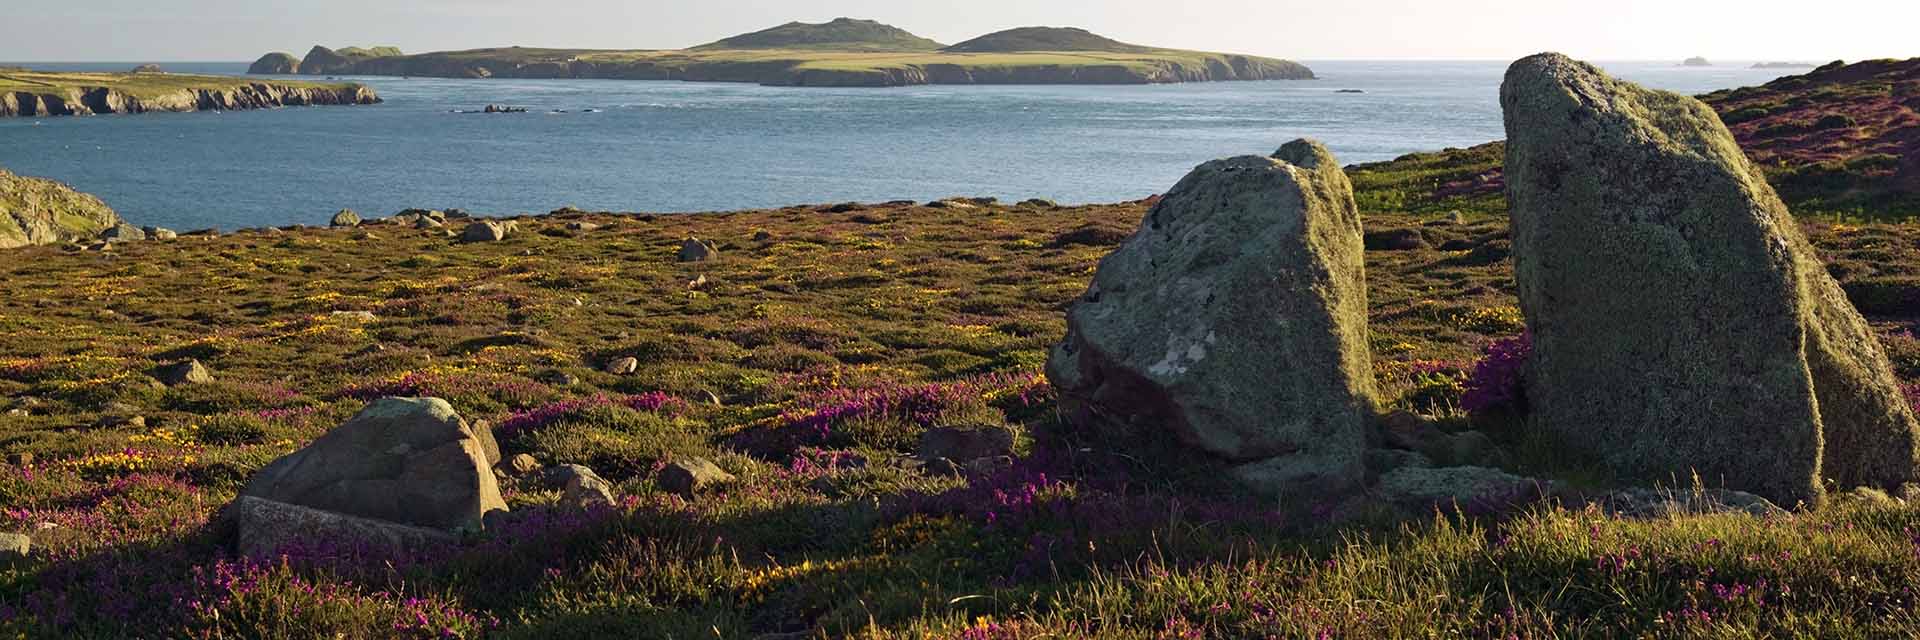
(1496,379)
(537,417)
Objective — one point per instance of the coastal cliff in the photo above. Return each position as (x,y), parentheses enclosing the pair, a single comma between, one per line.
(63,94)
(40,211)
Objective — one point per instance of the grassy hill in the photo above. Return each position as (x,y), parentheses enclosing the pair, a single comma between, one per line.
(1044,39)
(841,34)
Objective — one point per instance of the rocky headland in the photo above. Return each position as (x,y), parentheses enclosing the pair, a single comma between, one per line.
(841,53)
(35,93)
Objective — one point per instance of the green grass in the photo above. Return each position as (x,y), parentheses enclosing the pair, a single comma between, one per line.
(955,307)
(141,85)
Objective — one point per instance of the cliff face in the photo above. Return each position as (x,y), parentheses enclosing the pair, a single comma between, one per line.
(257,95)
(39,211)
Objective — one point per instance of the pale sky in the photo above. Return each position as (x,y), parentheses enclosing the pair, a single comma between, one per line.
(240,30)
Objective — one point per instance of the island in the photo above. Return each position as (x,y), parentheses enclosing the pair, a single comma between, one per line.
(842,53)
(42,93)
(1696,62)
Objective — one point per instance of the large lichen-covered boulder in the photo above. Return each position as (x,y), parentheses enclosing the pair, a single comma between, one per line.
(1235,316)
(1681,323)
(39,211)
(406,460)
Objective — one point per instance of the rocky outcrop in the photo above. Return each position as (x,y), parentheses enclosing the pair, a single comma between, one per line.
(38,211)
(253,95)
(1681,323)
(1235,317)
(410,461)
(275,64)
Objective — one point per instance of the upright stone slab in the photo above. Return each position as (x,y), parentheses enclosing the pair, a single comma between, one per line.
(406,460)
(1235,316)
(1681,323)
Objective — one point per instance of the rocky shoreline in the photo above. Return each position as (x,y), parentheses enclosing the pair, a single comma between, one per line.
(73,101)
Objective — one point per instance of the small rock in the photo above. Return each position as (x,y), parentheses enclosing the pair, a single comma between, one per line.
(118,422)
(123,232)
(189,372)
(588,490)
(18,413)
(160,233)
(484,231)
(523,464)
(268,528)
(623,366)
(358,316)
(1472,489)
(1039,203)
(428,223)
(694,250)
(939,467)
(762,235)
(1395,240)
(965,444)
(345,218)
(582,226)
(20,458)
(691,475)
(15,548)
(560,379)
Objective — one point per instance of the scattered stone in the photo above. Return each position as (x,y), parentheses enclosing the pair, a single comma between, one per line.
(845,207)
(123,232)
(345,218)
(406,460)
(484,231)
(15,549)
(762,235)
(691,475)
(1681,322)
(560,379)
(428,223)
(356,316)
(1236,316)
(1039,203)
(694,250)
(1474,490)
(1395,240)
(965,444)
(20,458)
(623,366)
(582,487)
(122,421)
(179,373)
(269,528)
(523,464)
(582,227)
(160,233)
(1657,503)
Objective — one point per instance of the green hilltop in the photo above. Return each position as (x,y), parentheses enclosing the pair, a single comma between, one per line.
(1045,39)
(841,34)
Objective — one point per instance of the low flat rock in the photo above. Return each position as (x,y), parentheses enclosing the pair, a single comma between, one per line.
(405,460)
(268,529)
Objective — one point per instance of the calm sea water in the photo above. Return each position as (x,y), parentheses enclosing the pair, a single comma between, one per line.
(672,146)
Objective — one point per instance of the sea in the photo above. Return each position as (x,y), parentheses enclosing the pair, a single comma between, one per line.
(664,146)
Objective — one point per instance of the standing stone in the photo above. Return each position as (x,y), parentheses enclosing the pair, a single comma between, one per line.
(1681,323)
(406,460)
(1236,317)
(346,218)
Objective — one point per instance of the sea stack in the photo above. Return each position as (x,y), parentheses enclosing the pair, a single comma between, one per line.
(1681,323)
(1235,317)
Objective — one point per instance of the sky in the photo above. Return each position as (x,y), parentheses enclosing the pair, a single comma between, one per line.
(241,30)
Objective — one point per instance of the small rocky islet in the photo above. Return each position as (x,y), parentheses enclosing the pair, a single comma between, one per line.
(1258,400)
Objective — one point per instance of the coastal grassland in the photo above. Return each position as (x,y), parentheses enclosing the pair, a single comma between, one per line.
(805,359)
(139,85)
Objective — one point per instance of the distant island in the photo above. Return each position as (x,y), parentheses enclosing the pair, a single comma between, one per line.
(41,93)
(841,53)
(1696,62)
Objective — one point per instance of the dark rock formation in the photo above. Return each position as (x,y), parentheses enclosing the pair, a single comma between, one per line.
(255,95)
(1681,323)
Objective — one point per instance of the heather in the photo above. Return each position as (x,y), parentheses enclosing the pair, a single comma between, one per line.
(807,359)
